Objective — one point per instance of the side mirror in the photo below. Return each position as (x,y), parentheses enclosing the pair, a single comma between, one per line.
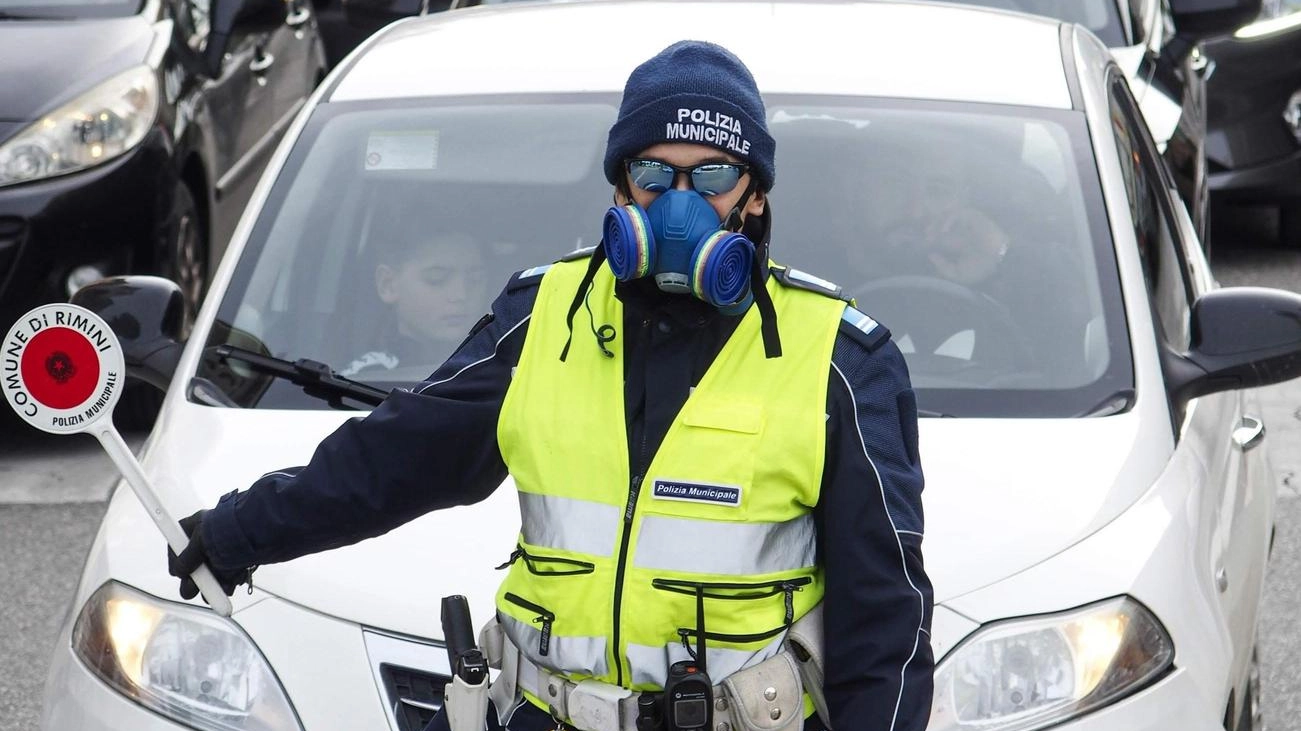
(224,15)
(1198,19)
(1242,337)
(146,314)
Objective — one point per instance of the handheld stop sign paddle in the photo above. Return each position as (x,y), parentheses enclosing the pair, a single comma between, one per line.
(62,370)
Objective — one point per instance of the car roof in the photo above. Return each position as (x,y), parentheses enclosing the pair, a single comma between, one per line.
(888,49)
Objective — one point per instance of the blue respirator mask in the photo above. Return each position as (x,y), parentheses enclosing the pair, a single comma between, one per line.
(681,242)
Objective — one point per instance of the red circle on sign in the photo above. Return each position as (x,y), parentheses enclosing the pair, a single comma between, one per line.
(60,368)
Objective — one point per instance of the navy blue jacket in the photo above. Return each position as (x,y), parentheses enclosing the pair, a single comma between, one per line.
(372,475)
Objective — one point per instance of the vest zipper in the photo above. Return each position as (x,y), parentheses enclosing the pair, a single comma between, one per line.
(634,489)
(545,616)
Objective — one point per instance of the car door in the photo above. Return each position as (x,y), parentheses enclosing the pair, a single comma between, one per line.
(1233,533)
(293,66)
(246,109)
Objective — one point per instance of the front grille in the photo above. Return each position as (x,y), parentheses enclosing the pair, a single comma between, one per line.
(410,673)
(414,696)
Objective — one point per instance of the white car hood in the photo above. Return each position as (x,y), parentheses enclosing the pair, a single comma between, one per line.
(1005,494)
(392,582)
(1001,496)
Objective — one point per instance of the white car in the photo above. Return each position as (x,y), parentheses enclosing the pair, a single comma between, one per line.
(1098,500)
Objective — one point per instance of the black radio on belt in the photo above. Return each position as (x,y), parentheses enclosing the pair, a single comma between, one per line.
(688,697)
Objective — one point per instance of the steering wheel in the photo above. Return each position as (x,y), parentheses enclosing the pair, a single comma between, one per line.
(956,332)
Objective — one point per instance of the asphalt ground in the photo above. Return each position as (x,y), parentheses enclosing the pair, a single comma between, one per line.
(52,493)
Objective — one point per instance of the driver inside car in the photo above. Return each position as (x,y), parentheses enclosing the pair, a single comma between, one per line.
(960,259)
(922,220)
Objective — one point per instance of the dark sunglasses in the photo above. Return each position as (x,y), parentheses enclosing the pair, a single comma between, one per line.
(714,178)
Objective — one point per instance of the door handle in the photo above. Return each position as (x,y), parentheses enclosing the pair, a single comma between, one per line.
(1201,64)
(1250,433)
(298,15)
(260,64)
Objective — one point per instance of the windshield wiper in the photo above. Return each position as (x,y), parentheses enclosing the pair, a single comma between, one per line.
(316,378)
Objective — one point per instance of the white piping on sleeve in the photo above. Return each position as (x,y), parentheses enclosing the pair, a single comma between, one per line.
(903,560)
(430,385)
(285,473)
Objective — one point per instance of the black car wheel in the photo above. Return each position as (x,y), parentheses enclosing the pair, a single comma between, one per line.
(185,254)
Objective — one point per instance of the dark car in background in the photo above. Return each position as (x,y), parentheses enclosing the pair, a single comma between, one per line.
(1254,145)
(346,23)
(132,133)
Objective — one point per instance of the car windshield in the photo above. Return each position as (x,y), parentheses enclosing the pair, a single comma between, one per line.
(67,9)
(975,233)
(1100,16)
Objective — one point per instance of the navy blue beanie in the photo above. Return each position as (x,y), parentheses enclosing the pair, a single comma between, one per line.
(698,92)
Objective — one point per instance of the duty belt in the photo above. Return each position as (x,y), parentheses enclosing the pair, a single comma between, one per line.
(768,696)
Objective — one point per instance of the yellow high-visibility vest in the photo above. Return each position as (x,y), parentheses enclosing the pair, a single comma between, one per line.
(612,569)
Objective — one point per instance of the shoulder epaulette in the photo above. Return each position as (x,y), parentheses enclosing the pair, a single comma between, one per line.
(577,254)
(868,332)
(533,276)
(797,279)
(527,278)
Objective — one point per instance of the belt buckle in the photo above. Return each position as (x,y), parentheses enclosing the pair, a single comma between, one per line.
(597,706)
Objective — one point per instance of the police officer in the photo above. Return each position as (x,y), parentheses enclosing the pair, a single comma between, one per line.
(707,449)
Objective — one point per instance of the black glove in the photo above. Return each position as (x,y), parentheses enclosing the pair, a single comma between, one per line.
(194,556)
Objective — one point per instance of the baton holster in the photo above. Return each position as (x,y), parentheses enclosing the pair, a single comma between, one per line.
(466,697)
(467,705)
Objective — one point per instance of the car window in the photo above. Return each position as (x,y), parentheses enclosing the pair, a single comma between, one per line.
(1159,248)
(1100,16)
(975,233)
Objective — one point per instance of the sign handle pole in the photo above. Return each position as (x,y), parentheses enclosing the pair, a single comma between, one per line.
(171,530)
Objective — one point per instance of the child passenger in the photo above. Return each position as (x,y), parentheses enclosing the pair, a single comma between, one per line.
(433,284)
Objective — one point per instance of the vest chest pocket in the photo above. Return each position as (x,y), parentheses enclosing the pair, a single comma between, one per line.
(540,565)
(707,466)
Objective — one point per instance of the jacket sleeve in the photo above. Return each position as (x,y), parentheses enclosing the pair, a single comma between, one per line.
(432,447)
(877,608)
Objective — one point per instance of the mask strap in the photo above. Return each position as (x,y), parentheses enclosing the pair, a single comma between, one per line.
(734,222)
(772,344)
(580,296)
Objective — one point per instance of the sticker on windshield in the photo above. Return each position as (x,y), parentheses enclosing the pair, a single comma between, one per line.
(402,150)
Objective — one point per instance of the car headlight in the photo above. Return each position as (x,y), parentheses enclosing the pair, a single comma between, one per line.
(184,663)
(1039,671)
(94,128)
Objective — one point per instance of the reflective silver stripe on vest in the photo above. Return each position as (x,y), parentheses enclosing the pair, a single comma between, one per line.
(718,547)
(568,655)
(569,524)
(651,664)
